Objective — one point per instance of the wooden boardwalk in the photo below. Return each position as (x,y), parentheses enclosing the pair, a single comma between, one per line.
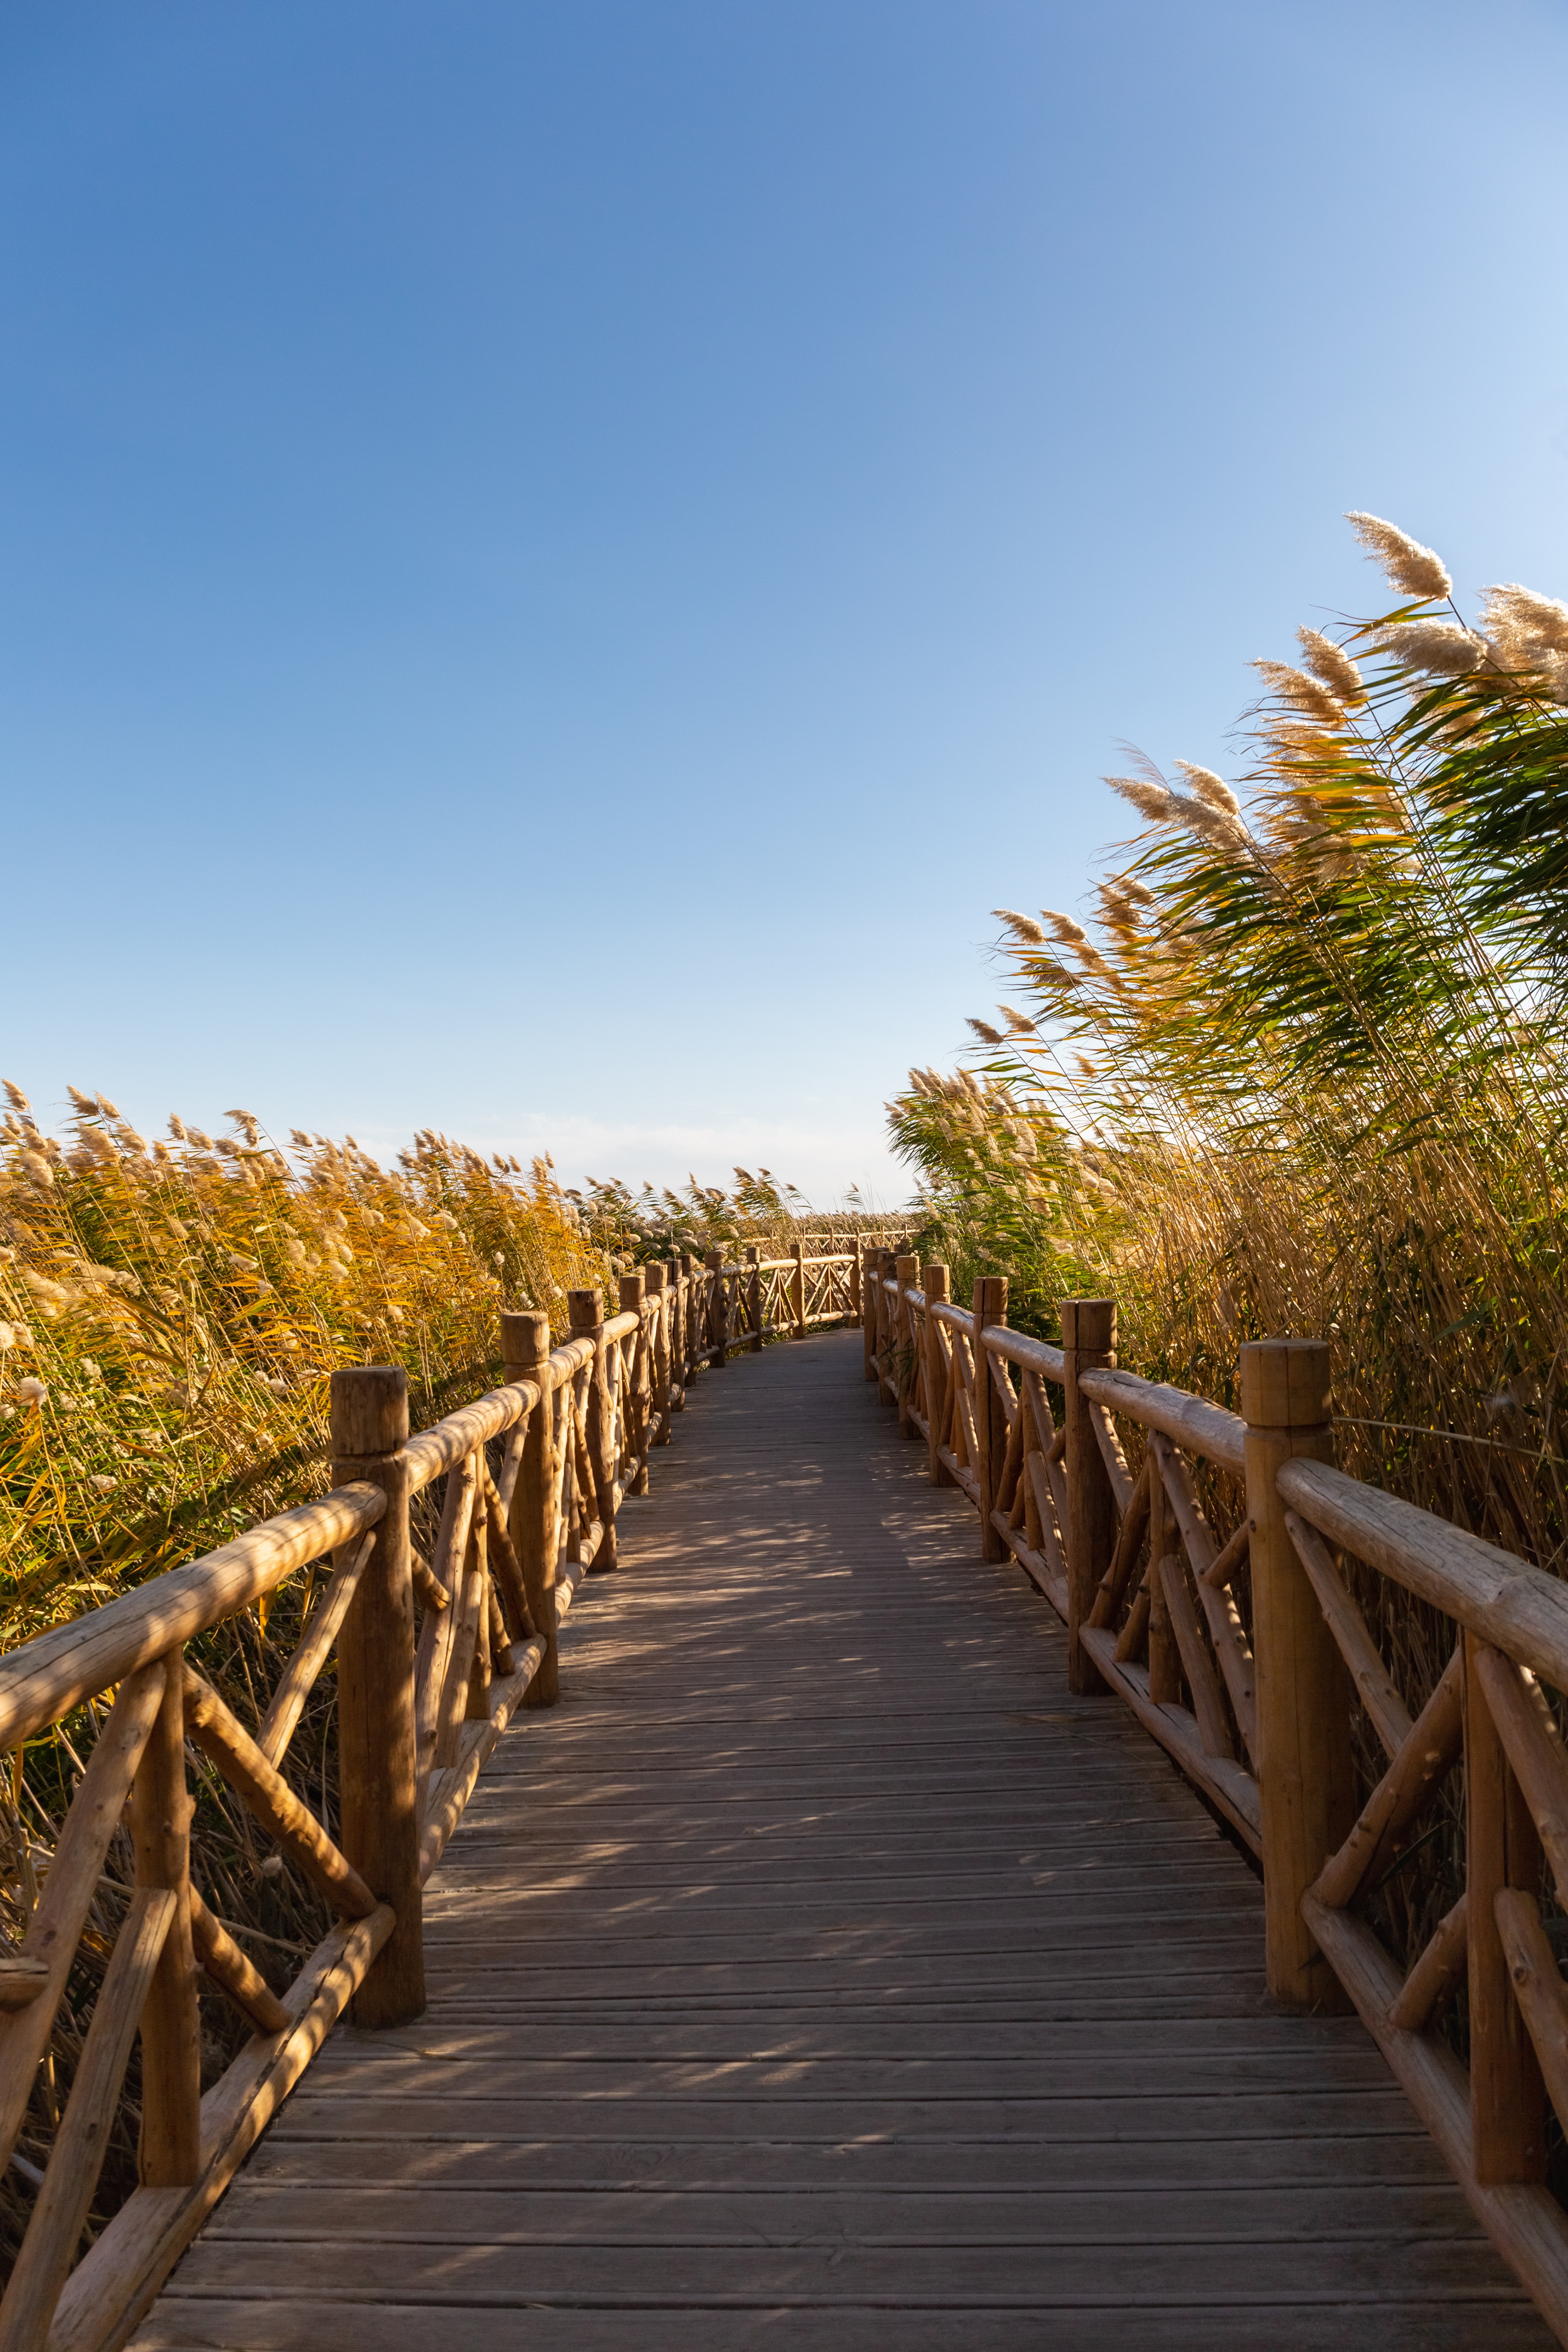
(819,1974)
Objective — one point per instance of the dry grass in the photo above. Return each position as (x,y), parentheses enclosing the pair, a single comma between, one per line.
(1302,1072)
(170,1314)
(169,1317)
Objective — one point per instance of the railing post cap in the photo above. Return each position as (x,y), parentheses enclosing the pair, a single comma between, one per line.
(1285,1383)
(524,1336)
(585,1308)
(656,1274)
(369,1409)
(1088,1324)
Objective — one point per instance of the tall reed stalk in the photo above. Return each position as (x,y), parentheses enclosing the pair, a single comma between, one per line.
(1302,1070)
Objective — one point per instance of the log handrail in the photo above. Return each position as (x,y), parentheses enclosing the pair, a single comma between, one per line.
(1174,1646)
(45,1678)
(575,1425)
(1518,1608)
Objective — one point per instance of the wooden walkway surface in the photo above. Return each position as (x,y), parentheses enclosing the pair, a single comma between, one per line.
(819,1974)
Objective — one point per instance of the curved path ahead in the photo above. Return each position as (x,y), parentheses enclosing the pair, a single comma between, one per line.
(819,1974)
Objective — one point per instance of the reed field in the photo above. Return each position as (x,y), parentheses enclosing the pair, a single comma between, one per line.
(170,1314)
(1303,1071)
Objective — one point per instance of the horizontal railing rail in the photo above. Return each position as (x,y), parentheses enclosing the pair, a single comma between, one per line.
(1201,1560)
(434,1656)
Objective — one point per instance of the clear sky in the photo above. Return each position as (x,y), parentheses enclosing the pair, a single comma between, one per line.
(558,556)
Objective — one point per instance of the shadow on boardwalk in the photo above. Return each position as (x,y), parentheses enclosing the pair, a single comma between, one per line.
(819,1974)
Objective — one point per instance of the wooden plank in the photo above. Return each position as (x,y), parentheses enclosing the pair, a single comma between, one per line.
(253,2325)
(1365,2162)
(831,2274)
(953,2215)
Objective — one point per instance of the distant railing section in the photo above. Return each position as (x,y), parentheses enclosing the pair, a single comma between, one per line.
(1243,1652)
(433,1657)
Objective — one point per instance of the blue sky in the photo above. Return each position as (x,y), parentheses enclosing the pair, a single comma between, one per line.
(557,560)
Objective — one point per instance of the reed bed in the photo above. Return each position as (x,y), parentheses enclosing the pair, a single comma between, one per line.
(1301,1070)
(170,1314)
(760,1208)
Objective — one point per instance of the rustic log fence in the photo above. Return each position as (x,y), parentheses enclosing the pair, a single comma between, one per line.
(1259,1716)
(433,1658)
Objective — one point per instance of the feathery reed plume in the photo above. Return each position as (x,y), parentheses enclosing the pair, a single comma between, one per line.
(15,1097)
(1211,788)
(1333,665)
(1528,638)
(1406,564)
(1204,815)
(1153,801)
(984,1032)
(1442,648)
(1021,926)
(1516,618)
(1303,693)
(1063,930)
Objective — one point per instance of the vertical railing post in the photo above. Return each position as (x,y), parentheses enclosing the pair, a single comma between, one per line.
(990,1419)
(1089,1341)
(797,1290)
(680,1342)
(377,1765)
(634,1412)
(170,2155)
(1502,1848)
(535,1534)
(1303,1689)
(933,1282)
(658,1290)
(718,1307)
(868,1309)
(885,1392)
(854,1256)
(586,1310)
(755,1297)
(906,1270)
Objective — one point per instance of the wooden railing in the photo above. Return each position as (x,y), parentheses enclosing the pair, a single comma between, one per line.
(433,1657)
(1133,1552)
